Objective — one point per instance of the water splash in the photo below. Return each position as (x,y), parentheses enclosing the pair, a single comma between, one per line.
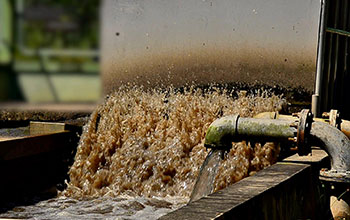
(150,143)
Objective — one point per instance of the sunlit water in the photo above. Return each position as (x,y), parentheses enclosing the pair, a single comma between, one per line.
(120,207)
(150,145)
(205,181)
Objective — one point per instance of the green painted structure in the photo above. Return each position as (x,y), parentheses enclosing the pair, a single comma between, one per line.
(40,60)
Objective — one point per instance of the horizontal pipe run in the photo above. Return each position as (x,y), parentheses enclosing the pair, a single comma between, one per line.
(224,131)
(262,129)
(344,124)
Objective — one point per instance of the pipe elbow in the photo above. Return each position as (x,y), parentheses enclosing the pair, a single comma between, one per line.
(221,132)
(335,143)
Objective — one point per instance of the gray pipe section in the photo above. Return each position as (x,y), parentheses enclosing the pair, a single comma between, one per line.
(315,106)
(335,143)
(224,131)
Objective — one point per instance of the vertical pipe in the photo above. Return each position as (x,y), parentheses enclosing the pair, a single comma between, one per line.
(319,72)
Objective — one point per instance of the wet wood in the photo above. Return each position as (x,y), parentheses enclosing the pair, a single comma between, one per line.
(285,190)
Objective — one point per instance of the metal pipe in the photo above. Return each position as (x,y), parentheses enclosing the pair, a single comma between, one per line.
(344,124)
(316,110)
(335,143)
(224,131)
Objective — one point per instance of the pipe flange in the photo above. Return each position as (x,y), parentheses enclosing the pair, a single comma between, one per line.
(303,132)
(335,176)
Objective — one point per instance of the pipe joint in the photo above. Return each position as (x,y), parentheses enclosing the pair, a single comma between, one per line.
(303,132)
(222,132)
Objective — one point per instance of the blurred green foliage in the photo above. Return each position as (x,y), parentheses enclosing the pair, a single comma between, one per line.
(61,24)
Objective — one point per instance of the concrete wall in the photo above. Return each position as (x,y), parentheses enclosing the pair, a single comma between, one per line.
(157,42)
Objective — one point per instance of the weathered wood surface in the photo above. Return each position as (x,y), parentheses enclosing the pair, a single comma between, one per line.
(38,127)
(286,190)
(317,156)
(31,164)
(32,145)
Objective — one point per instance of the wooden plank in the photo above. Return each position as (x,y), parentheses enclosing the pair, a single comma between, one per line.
(317,156)
(38,127)
(32,145)
(242,192)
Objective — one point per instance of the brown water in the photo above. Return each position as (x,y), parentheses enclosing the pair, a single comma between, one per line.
(140,154)
(151,143)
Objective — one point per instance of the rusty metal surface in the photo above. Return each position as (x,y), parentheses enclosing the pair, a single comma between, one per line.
(303,132)
(158,42)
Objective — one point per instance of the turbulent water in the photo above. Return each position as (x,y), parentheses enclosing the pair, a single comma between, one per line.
(121,207)
(149,144)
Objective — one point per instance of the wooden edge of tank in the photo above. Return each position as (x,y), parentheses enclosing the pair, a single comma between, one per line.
(272,193)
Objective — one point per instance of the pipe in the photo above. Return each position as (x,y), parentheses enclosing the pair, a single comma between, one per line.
(316,97)
(224,131)
(335,143)
(344,124)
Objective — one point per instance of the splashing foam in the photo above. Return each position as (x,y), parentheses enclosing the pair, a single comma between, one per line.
(150,143)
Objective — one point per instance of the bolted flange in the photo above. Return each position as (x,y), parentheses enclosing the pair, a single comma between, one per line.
(303,132)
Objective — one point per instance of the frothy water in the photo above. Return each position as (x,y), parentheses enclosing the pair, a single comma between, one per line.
(121,207)
(149,144)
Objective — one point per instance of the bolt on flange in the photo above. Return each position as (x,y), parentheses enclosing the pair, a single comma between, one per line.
(303,127)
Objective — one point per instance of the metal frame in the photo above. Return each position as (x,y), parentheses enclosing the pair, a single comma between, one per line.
(333,61)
